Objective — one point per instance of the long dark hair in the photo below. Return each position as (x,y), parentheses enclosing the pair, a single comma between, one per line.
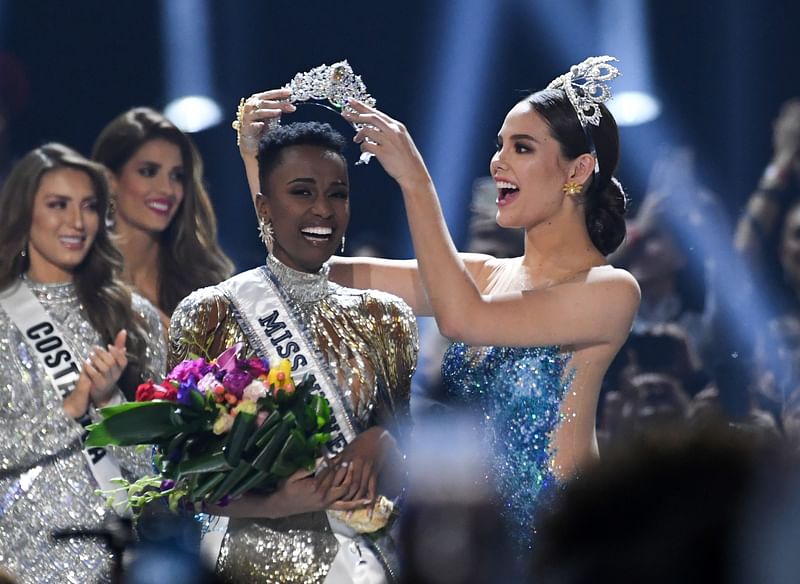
(190,256)
(604,200)
(105,298)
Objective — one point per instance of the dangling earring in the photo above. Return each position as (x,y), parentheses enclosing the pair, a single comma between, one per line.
(266,233)
(342,248)
(111,211)
(572,188)
(24,252)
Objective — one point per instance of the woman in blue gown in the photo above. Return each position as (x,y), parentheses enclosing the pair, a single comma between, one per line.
(533,335)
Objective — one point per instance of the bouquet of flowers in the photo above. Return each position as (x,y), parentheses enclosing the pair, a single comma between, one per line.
(220,428)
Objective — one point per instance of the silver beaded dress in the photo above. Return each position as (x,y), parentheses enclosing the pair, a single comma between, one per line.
(45,483)
(369,339)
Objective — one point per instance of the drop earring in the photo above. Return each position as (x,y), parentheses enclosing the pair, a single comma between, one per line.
(111,212)
(266,233)
(342,248)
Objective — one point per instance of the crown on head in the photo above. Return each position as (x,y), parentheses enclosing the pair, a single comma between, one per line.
(585,87)
(332,83)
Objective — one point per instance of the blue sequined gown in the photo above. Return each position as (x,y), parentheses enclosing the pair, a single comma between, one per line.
(518,391)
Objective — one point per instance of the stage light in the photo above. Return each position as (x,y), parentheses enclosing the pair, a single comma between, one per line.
(631,108)
(185,37)
(194,113)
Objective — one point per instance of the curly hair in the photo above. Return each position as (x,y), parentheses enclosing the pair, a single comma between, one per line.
(296,134)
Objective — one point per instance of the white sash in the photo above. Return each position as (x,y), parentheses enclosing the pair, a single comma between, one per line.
(268,321)
(62,367)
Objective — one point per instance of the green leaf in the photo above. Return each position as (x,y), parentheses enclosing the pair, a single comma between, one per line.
(237,437)
(208,463)
(322,411)
(271,422)
(259,478)
(205,484)
(135,423)
(267,456)
(231,480)
(285,463)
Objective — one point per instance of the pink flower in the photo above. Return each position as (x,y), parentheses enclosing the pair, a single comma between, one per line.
(196,368)
(207,383)
(254,391)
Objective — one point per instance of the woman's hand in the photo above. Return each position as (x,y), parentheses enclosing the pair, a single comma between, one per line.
(365,456)
(100,372)
(302,492)
(257,111)
(103,368)
(390,142)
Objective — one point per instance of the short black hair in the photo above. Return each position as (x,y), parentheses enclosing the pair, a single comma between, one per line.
(295,134)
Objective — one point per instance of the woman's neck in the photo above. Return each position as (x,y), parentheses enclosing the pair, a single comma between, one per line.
(140,251)
(556,249)
(49,275)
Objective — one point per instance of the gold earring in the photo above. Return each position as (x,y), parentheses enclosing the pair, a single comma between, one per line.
(266,233)
(572,188)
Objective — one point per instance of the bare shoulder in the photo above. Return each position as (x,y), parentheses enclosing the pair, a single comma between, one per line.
(621,281)
(613,289)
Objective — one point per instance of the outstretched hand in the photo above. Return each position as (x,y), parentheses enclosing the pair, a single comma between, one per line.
(389,141)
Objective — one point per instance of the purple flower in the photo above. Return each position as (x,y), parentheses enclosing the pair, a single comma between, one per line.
(167,484)
(256,366)
(235,381)
(185,391)
(196,368)
(227,359)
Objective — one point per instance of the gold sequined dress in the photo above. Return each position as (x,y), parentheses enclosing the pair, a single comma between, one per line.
(369,339)
(45,483)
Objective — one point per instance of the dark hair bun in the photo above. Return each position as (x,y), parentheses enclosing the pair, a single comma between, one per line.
(605,216)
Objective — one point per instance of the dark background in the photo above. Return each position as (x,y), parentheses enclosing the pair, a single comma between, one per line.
(721,68)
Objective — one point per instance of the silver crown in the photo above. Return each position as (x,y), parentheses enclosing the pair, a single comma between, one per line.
(332,83)
(585,87)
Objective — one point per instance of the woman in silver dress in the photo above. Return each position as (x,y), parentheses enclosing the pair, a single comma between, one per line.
(361,346)
(73,338)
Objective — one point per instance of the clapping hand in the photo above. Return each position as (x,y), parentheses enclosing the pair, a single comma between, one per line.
(99,374)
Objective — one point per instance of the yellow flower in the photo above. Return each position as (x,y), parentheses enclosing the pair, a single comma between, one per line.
(246,406)
(280,376)
(223,423)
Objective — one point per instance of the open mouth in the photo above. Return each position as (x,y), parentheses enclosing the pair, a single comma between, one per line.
(317,234)
(72,242)
(506,192)
(160,206)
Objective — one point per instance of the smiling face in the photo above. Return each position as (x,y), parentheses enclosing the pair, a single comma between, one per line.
(307,200)
(528,168)
(64,224)
(150,186)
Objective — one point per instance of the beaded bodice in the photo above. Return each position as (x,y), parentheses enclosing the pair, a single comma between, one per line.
(368,339)
(519,392)
(45,482)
